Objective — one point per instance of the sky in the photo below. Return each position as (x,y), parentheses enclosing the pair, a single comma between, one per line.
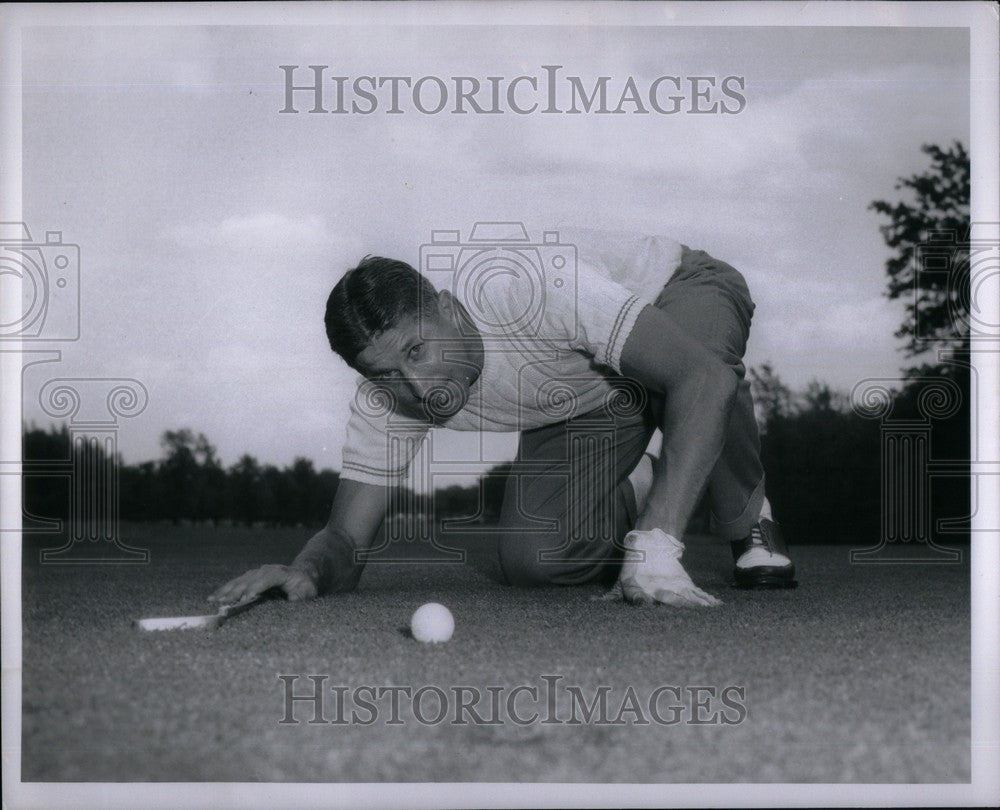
(212,228)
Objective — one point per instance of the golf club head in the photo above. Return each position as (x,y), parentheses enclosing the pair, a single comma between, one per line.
(209,622)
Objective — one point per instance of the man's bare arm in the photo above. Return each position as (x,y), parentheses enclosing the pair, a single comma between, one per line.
(329,557)
(327,563)
(699,390)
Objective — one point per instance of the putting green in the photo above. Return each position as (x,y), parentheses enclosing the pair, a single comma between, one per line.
(861,674)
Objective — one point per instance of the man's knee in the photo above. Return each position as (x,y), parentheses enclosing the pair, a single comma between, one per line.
(527,564)
(523,563)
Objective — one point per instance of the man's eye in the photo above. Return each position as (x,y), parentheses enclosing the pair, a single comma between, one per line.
(416,350)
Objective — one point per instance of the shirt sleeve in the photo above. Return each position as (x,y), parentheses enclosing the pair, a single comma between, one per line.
(592,314)
(641,262)
(379,445)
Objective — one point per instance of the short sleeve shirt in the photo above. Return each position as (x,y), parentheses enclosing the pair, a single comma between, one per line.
(554,316)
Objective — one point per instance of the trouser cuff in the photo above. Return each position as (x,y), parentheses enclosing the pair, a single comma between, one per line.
(739,527)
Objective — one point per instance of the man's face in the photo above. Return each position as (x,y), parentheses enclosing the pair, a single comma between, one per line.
(425,362)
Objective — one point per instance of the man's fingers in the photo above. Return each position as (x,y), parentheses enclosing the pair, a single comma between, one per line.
(673,598)
(675,594)
(705,598)
(225,593)
(249,584)
(232,592)
(295,584)
(635,594)
(614,595)
(688,597)
(300,588)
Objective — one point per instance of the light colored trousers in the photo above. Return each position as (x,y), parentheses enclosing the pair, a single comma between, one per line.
(568,503)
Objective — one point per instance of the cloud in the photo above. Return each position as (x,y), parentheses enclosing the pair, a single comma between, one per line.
(815,328)
(265,230)
(170,58)
(815,131)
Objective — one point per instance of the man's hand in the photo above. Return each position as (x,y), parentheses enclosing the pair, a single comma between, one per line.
(328,562)
(295,582)
(652,572)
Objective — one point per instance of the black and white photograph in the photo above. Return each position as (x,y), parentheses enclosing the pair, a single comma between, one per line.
(500,404)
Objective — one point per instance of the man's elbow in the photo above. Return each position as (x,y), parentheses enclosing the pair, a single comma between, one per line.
(708,376)
(720,384)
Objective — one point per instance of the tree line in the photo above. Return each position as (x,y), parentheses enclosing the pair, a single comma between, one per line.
(189,484)
(822,460)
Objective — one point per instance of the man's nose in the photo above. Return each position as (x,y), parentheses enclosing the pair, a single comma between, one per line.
(419,386)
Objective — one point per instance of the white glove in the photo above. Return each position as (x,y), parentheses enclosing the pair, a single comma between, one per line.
(652,572)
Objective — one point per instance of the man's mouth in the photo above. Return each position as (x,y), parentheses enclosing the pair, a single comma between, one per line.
(443,401)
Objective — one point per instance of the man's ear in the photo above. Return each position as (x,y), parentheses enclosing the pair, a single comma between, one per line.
(446,305)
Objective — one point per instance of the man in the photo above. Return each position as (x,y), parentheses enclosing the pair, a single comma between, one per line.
(585,357)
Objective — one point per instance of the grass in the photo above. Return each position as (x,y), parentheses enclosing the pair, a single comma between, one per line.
(859,675)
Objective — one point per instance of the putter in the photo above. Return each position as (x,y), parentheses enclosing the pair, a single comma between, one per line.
(212,622)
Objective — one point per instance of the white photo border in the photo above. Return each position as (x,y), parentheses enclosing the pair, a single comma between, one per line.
(979,17)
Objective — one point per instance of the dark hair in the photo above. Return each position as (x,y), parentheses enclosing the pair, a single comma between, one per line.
(371,298)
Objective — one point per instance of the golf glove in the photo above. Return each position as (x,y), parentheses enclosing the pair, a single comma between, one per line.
(652,572)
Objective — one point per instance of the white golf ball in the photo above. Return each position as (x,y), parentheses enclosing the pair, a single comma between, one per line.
(432,623)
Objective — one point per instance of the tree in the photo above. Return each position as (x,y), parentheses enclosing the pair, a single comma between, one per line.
(772,398)
(142,497)
(324,489)
(247,486)
(929,235)
(45,496)
(211,482)
(820,398)
(301,477)
(192,476)
(179,473)
(273,496)
(494,485)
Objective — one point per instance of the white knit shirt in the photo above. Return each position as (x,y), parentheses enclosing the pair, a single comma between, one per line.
(553,318)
